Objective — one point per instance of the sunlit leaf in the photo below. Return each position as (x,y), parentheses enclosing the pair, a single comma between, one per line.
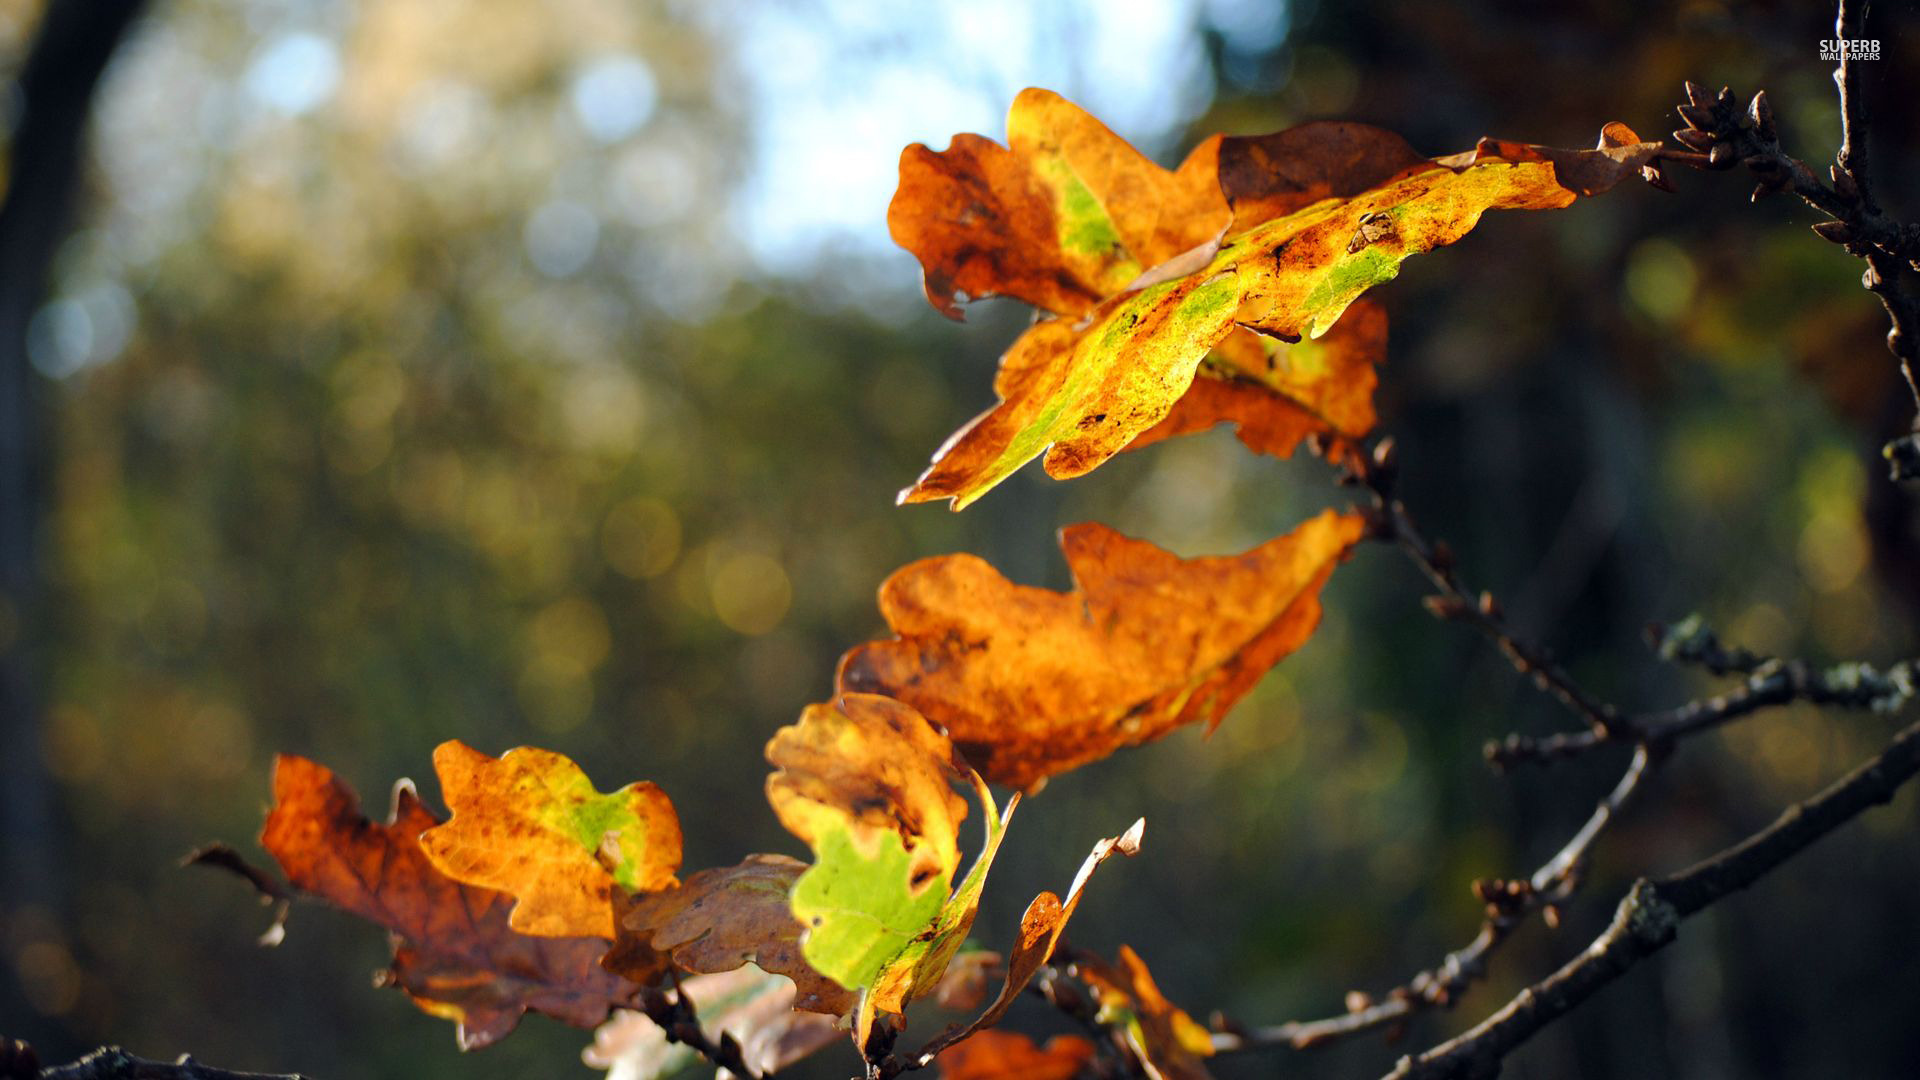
(1276,394)
(530,823)
(1063,216)
(867,783)
(455,953)
(1170,1044)
(1030,682)
(1080,387)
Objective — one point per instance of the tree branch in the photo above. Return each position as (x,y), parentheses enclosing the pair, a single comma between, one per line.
(675,1015)
(1650,915)
(1456,603)
(18,1062)
(1774,682)
(1720,138)
(1509,905)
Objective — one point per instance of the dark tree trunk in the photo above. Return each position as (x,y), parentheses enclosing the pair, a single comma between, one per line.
(56,89)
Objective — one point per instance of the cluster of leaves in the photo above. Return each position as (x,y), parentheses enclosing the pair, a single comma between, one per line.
(1228,290)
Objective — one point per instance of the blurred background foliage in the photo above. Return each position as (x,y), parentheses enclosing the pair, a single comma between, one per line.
(540,373)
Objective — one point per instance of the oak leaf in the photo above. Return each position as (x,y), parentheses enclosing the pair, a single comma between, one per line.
(1277,394)
(1002,1055)
(456,955)
(868,784)
(1062,217)
(1082,386)
(1030,682)
(1170,1044)
(531,824)
(723,918)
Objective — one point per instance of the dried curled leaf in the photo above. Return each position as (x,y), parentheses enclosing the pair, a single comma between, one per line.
(1040,929)
(530,823)
(1342,208)
(1063,216)
(456,955)
(1170,1044)
(1030,682)
(723,918)
(867,783)
(754,1007)
(1003,1055)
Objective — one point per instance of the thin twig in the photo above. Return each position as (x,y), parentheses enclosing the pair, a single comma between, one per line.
(113,1063)
(1650,915)
(675,1015)
(1509,905)
(1457,603)
(1775,682)
(1721,139)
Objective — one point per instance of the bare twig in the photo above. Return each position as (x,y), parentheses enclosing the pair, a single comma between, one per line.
(1509,905)
(1774,682)
(112,1063)
(1455,602)
(1720,138)
(675,1015)
(1650,915)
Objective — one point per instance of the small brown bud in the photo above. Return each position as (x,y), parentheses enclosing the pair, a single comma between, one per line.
(1699,118)
(1442,555)
(1843,183)
(1760,111)
(1551,913)
(1444,607)
(1834,231)
(1721,156)
(1489,606)
(1386,453)
(1359,1001)
(1694,140)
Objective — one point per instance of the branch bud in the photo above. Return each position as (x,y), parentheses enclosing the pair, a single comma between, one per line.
(1694,140)
(1843,183)
(1760,111)
(1698,117)
(1833,231)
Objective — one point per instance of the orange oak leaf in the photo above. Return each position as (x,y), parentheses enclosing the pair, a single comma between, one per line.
(1030,682)
(1170,1044)
(723,918)
(1003,1055)
(1277,394)
(455,954)
(868,783)
(531,824)
(1305,243)
(1063,216)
